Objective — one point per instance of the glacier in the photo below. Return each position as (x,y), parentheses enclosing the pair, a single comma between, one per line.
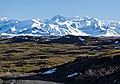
(59,26)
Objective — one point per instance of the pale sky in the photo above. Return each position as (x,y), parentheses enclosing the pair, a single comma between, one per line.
(45,9)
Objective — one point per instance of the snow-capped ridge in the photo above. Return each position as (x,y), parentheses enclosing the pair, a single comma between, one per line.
(61,18)
(60,26)
(3,18)
(85,17)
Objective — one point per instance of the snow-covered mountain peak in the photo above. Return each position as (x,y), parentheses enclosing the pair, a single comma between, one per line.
(59,17)
(60,26)
(37,20)
(85,17)
(3,18)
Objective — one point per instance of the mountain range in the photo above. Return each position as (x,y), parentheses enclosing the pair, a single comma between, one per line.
(60,26)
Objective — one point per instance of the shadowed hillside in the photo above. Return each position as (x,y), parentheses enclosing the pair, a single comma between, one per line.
(83,70)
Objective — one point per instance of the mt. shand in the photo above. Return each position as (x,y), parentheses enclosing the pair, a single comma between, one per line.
(60,26)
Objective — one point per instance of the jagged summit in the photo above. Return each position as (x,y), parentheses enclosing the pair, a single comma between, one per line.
(3,18)
(60,26)
(59,17)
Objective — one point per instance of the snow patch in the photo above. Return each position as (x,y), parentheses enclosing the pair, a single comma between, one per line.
(81,39)
(116,42)
(67,37)
(72,75)
(35,31)
(13,29)
(117,47)
(50,71)
(96,41)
